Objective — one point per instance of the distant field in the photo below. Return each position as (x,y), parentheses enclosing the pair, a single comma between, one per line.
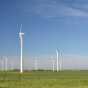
(43,79)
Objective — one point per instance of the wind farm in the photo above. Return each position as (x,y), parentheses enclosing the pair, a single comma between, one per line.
(46,72)
(53,77)
(43,44)
(41,72)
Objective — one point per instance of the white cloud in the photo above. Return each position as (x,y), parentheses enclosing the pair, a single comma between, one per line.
(68,11)
(55,10)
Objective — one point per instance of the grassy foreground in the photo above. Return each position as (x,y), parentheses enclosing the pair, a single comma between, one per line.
(43,79)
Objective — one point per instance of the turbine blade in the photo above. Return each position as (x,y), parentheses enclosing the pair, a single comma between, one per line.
(20,28)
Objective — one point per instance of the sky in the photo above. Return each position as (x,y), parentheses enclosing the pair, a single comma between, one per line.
(47,24)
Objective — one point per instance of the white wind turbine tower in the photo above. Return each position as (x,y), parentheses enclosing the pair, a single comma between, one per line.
(57,60)
(21,49)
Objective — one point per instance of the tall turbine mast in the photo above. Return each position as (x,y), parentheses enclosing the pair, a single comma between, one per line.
(21,49)
(57,60)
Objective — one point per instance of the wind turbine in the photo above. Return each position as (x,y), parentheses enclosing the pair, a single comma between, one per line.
(21,49)
(57,60)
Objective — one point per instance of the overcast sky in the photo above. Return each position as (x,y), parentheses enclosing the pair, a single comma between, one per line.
(47,24)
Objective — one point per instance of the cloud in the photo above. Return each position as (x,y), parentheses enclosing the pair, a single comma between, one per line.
(57,10)
(68,11)
(54,8)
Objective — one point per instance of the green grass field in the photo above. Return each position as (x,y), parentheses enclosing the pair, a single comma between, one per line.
(44,79)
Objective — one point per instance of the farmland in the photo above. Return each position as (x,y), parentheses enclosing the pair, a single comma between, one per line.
(44,79)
